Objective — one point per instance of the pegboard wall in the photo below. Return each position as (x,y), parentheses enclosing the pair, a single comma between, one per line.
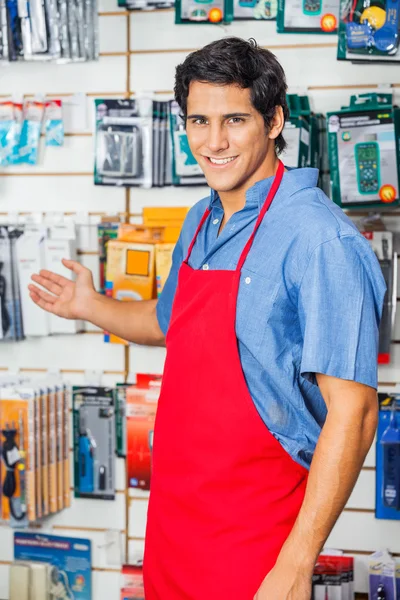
(139,52)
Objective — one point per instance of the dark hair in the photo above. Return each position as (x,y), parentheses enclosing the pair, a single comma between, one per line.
(234,61)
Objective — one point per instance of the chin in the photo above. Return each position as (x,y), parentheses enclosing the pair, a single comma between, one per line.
(219,185)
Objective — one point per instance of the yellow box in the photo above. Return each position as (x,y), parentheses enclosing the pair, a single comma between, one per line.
(163,264)
(130,274)
(164,216)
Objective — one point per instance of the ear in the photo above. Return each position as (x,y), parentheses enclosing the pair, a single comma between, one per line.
(277,123)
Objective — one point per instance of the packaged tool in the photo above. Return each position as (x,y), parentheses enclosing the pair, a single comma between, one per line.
(248,10)
(124,135)
(185,168)
(19,458)
(145,4)
(308,16)
(364,152)
(106,231)
(31,128)
(297,132)
(141,407)
(382,580)
(58,568)
(94,442)
(388,458)
(382,245)
(203,11)
(54,129)
(369,31)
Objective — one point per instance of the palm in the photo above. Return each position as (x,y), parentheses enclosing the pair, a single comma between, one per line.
(61,296)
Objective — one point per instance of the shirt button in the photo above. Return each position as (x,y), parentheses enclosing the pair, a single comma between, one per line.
(248,280)
(205,267)
(216,221)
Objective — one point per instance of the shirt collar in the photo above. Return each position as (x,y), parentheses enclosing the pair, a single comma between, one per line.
(293,181)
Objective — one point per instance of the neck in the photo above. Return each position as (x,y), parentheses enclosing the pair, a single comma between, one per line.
(235,199)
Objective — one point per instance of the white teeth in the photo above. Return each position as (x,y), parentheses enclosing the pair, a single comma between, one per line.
(222,161)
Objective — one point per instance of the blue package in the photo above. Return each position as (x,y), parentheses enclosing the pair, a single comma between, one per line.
(71,557)
(30,134)
(54,123)
(6,132)
(382,509)
(381,579)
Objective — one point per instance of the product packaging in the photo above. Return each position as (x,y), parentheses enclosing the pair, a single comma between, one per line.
(19,456)
(59,567)
(185,168)
(132,587)
(364,152)
(61,243)
(388,458)
(94,442)
(248,10)
(120,418)
(382,245)
(200,11)
(124,136)
(106,231)
(130,274)
(141,407)
(7,132)
(10,298)
(333,577)
(369,31)
(163,264)
(297,135)
(30,133)
(145,4)
(54,123)
(308,16)
(382,581)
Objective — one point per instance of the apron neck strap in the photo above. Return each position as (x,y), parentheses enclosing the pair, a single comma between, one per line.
(207,212)
(271,195)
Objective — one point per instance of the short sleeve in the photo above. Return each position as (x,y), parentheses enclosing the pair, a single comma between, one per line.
(166,299)
(340,306)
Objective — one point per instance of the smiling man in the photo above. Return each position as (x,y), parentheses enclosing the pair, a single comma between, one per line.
(270,316)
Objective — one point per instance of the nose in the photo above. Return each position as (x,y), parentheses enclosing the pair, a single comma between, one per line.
(217,138)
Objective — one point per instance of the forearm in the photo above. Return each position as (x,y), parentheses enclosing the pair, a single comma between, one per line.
(134,321)
(340,453)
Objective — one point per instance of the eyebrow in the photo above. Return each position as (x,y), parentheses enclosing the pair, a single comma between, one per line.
(227,116)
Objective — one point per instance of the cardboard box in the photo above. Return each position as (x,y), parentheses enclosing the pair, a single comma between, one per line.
(130,274)
(163,264)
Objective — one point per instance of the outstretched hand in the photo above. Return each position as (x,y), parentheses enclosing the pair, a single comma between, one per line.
(61,296)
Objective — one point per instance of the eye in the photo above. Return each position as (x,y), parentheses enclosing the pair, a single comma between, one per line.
(199,121)
(236,120)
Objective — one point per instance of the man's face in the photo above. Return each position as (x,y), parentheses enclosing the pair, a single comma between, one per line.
(227,135)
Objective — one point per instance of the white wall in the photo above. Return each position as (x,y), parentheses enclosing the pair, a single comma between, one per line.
(151,45)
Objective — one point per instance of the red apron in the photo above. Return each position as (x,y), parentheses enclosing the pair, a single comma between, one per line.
(224,494)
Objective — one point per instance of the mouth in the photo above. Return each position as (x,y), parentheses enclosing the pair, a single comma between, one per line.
(220,163)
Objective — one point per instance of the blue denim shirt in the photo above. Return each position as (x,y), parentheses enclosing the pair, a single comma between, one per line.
(310,300)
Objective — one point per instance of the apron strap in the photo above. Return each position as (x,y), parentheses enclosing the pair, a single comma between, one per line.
(271,195)
(207,212)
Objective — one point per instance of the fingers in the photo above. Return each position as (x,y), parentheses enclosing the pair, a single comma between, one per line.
(37,299)
(47,283)
(44,296)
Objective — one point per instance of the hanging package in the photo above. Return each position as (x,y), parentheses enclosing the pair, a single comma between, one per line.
(364,152)
(369,31)
(308,16)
